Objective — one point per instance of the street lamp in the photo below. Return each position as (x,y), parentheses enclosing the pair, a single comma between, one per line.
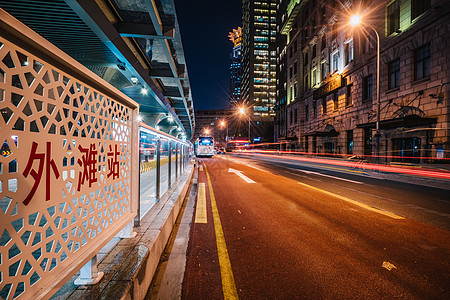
(356,20)
(243,112)
(206,131)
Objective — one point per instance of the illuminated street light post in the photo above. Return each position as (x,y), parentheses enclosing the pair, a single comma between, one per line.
(242,112)
(355,21)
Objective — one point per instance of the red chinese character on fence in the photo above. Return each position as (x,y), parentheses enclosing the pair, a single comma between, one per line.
(42,158)
(89,164)
(113,162)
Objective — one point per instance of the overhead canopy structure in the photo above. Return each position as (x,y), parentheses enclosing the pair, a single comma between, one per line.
(135,45)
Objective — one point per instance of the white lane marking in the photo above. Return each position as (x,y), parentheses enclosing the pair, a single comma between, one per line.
(239,173)
(248,164)
(320,174)
(201,168)
(303,176)
(377,210)
(388,266)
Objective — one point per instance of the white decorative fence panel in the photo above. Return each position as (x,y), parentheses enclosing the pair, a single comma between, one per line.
(66,172)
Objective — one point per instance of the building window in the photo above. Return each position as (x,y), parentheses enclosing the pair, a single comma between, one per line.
(291,116)
(367,42)
(291,72)
(295,90)
(335,101)
(393,17)
(422,62)
(295,67)
(335,61)
(314,52)
(367,141)
(323,70)
(349,142)
(419,7)
(333,32)
(348,52)
(324,105)
(314,109)
(323,44)
(306,82)
(314,77)
(305,59)
(394,74)
(367,87)
(295,46)
(306,144)
(348,95)
(314,144)
(295,116)
(290,52)
(306,112)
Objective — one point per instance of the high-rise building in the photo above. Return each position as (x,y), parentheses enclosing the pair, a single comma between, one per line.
(235,66)
(259,56)
(280,124)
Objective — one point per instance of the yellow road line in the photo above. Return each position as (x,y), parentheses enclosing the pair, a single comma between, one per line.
(200,212)
(228,284)
(377,210)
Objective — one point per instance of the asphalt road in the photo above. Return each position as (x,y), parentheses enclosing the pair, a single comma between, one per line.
(274,232)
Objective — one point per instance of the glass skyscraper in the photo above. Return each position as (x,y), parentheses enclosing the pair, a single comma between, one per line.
(235,67)
(259,58)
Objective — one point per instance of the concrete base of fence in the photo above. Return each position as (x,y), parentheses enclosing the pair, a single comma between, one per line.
(129,267)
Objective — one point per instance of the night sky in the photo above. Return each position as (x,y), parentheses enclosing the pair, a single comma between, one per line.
(204,29)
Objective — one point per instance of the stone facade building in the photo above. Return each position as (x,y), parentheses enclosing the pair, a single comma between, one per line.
(332,104)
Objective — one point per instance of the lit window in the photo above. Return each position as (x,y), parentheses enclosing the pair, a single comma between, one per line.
(349,98)
(314,77)
(348,52)
(335,61)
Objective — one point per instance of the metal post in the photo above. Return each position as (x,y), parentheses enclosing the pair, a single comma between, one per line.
(137,219)
(158,170)
(377,129)
(226,139)
(176,161)
(170,164)
(89,273)
(249,138)
(182,158)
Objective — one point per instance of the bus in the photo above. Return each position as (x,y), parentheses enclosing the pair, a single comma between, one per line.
(204,146)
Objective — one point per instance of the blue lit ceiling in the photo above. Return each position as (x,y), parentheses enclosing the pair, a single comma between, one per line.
(135,45)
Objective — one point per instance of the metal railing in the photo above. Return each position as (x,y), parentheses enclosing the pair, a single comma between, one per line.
(162,159)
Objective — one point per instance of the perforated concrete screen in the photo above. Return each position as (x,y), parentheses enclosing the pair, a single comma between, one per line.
(65,163)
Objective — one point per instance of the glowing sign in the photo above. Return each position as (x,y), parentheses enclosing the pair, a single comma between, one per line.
(236,36)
